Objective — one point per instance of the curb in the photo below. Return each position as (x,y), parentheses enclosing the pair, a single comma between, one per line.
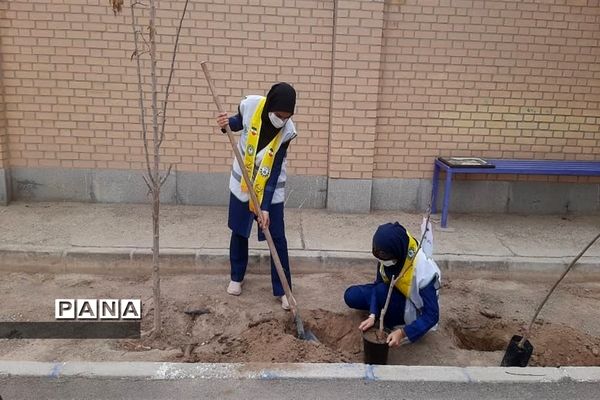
(135,260)
(261,371)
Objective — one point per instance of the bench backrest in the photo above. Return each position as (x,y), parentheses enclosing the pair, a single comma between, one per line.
(533,167)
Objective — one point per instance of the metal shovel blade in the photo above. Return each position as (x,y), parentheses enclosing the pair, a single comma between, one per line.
(304,334)
(516,356)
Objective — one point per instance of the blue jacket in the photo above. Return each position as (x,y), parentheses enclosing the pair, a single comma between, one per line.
(430,313)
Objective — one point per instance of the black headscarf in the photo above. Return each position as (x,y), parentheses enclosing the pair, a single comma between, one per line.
(391,242)
(281,98)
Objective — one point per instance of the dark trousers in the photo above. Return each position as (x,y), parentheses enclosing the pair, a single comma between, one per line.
(360,297)
(240,222)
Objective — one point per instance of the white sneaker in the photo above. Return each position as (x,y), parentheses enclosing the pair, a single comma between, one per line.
(284,303)
(234,288)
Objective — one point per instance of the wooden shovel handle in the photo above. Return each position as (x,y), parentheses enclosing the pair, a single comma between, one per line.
(253,198)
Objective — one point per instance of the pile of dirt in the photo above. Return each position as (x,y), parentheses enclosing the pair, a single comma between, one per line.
(263,341)
(557,345)
(274,340)
(269,339)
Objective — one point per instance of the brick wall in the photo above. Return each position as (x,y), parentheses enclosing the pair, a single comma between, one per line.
(487,78)
(461,77)
(3,135)
(3,141)
(71,93)
(356,68)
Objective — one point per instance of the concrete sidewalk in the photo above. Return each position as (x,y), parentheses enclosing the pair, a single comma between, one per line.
(47,234)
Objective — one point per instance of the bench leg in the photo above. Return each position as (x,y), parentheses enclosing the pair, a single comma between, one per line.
(446,198)
(434,188)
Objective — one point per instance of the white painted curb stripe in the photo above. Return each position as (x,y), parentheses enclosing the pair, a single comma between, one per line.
(170,371)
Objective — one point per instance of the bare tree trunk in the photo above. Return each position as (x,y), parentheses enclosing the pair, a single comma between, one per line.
(154,181)
(155,261)
(155,177)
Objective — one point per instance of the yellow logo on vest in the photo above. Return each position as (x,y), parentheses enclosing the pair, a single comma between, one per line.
(264,171)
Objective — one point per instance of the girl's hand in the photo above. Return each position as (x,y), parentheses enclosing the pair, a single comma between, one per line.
(222,120)
(266,221)
(396,338)
(367,323)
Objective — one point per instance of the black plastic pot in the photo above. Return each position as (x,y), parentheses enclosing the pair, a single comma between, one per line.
(375,353)
(516,356)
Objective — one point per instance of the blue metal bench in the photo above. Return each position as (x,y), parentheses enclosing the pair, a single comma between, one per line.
(523,167)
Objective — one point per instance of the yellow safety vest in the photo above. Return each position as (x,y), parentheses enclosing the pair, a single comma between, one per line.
(261,175)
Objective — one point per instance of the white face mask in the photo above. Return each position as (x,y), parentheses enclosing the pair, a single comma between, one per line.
(387,263)
(276,121)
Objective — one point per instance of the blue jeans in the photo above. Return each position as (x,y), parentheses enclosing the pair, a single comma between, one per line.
(360,297)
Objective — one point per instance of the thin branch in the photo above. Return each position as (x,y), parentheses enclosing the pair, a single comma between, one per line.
(137,53)
(144,39)
(428,211)
(138,3)
(430,205)
(164,178)
(164,111)
(149,334)
(387,301)
(153,62)
(541,305)
(141,92)
(147,184)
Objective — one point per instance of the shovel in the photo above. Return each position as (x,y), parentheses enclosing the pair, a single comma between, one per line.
(303,334)
(519,349)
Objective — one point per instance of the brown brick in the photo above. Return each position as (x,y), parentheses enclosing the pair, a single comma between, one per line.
(437,88)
